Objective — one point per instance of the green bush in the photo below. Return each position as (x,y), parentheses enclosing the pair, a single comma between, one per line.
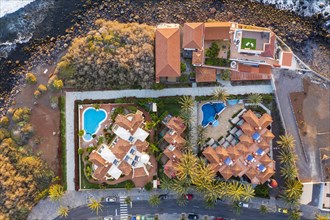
(158,86)
(42,88)
(30,78)
(80,151)
(183,67)
(213,51)
(262,191)
(148,186)
(4,121)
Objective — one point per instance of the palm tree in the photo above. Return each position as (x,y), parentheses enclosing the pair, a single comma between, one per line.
(201,132)
(293,189)
(263,209)
(322,217)
(63,211)
(186,103)
(248,192)
(186,168)
(153,148)
(220,94)
(203,176)
(289,171)
(56,191)
(213,192)
(294,214)
(181,187)
(165,183)
(154,200)
(286,156)
(186,117)
(286,141)
(234,191)
(95,205)
(255,98)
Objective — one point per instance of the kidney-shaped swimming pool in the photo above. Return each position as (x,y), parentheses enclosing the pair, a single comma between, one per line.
(92,120)
(210,110)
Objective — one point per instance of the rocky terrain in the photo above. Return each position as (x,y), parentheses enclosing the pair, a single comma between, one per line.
(298,32)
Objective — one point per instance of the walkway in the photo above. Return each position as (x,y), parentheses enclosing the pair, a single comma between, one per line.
(114,94)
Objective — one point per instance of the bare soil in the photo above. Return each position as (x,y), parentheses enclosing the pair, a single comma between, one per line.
(311,109)
(44,119)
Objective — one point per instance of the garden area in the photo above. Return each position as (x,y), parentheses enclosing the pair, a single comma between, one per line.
(248,43)
(217,53)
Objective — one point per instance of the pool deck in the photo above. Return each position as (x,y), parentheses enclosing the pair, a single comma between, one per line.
(224,124)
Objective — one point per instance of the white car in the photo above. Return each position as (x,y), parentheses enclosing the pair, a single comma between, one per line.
(111,199)
(108,218)
(242,204)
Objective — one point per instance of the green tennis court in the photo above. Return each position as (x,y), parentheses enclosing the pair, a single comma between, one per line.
(249,43)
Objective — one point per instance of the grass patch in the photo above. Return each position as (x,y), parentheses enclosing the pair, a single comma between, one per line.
(63,140)
(249,43)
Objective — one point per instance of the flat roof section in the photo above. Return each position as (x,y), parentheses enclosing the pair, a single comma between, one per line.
(286,59)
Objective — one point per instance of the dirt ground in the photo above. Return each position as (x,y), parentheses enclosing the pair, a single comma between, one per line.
(311,109)
(44,119)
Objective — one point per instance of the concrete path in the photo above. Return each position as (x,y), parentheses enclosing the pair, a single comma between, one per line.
(113,94)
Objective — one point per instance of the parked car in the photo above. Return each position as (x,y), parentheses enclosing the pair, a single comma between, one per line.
(193,216)
(282,210)
(242,204)
(111,199)
(219,218)
(163,196)
(108,217)
(188,196)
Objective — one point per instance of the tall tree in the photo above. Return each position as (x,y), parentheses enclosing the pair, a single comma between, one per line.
(186,103)
(294,214)
(287,156)
(322,217)
(203,176)
(286,141)
(56,191)
(289,171)
(248,192)
(95,205)
(220,94)
(186,167)
(293,189)
(235,191)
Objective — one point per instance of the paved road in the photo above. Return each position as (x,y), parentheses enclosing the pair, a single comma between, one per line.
(113,94)
(170,206)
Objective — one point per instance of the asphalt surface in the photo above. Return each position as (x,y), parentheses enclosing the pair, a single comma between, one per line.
(170,206)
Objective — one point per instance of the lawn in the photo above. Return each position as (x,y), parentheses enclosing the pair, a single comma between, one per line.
(249,43)
(63,140)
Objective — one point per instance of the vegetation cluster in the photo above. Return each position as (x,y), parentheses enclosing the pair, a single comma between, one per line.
(115,56)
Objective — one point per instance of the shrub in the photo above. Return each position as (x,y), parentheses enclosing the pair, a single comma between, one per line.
(58,84)
(148,186)
(213,51)
(37,94)
(42,88)
(225,75)
(4,121)
(30,78)
(183,67)
(80,151)
(81,133)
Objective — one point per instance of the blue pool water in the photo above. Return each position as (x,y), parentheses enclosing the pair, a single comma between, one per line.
(232,102)
(210,110)
(92,121)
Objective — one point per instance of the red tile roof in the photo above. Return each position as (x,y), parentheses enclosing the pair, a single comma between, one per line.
(193,35)
(243,76)
(211,155)
(217,30)
(167,52)
(270,48)
(197,58)
(287,59)
(265,69)
(204,74)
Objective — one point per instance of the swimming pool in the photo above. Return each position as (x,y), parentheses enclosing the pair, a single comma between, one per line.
(210,110)
(92,120)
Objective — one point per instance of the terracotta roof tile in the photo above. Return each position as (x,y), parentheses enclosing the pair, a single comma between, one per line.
(169,169)
(167,52)
(252,119)
(246,140)
(287,59)
(101,172)
(130,122)
(217,30)
(245,76)
(247,129)
(211,155)
(242,149)
(251,173)
(270,48)
(264,69)
(204,74)
(263,177)
(265,160)
(193,35)
(222,152)
(139,172)
(198,58)
(125,167)
(177,124)
(96,158)
(236,169)
(226,173)
(233,153)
